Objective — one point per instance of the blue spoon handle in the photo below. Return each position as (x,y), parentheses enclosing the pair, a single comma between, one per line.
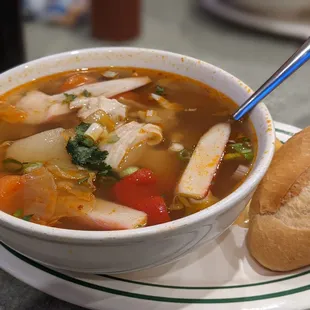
(301,56)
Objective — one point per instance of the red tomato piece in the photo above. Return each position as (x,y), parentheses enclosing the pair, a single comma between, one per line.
(156,210)
(129,193)
(142,176)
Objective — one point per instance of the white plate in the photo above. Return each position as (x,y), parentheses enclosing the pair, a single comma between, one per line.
(295,29)
(220,275)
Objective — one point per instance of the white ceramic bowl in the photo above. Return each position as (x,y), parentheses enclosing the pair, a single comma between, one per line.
(124,251)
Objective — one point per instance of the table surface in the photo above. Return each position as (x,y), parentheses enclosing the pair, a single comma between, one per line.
(251,56)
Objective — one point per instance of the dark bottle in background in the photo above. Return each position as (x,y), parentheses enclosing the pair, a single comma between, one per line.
(115,20)
(11,35)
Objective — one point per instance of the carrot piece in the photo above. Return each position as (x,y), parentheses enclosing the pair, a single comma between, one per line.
(10,186)
(76,80)
(11,114)
(129,95)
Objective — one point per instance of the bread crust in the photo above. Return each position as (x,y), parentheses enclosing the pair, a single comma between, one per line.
(279,230)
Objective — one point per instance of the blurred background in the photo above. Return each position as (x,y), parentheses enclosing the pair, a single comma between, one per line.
(248,38)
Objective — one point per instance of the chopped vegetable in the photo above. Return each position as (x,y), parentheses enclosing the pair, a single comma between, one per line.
(11,114)
(128,171)
(231,156)
(94,131)
(110,74)
(149,116)
(76,80)
(156,210)
(86,93)
(12,165)
(85,155)
(199,173)
(28,217)
(242,147)
(139,191)
(112,138)
(81,181)
(166,104)
(18,213)
(185,154)
(240,172)
(159,90)
(142,176)
(130,193)
(176,147)
(10,187)
(28,167)
(69,98)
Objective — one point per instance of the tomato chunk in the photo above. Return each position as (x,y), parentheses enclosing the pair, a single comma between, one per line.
(142,176)
(129,193)
(140,191)
(155,208)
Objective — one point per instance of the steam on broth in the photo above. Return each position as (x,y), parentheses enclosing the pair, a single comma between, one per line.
(118,148)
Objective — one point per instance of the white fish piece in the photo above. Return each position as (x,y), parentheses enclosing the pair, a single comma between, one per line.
(107,215)
(130,135)
(116,110)
(36,104)
(41,108)
(197,177)
(107,88)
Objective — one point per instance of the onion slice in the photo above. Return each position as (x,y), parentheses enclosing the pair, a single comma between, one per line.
(197,177)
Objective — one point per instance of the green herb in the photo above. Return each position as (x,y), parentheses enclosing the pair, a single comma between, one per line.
(28,167)
(27,217)
(81,181)
(241,149)
(85,153)
(86,93)
(12,165)
(159,90)
(185,154)
(69,98)
(18,213)
(128,171)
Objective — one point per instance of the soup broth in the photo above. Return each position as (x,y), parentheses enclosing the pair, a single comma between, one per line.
(107,148)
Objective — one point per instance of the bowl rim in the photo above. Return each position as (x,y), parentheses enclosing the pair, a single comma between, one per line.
(61,235)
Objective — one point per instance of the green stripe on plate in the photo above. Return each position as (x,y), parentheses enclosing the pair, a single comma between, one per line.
(151,297)
(207,287)
(284,132)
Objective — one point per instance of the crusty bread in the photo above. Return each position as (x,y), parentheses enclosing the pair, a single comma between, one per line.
(279,230)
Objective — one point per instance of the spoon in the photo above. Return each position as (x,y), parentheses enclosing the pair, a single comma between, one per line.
(300,57)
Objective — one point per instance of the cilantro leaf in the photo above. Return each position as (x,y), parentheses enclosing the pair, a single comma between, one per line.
(86,93)
(69,98)
(159,90)
(85,153)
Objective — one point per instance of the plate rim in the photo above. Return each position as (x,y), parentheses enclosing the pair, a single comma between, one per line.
(261,23)
(147,297)
(286,131)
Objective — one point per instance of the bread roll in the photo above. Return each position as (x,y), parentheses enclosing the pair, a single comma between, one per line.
(279,230)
